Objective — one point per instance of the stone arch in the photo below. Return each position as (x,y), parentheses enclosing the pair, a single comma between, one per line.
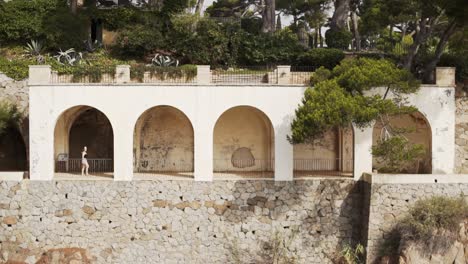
(243,141)
(332,154)
(421,134)
(13,152)
(163,141)
(81,126)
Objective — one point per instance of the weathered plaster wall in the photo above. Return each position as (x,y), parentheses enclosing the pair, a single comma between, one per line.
(388,197)
(178,221)
(334,151)
(203,105)
(243,139)
(461,136)
(418,132)
(163,141)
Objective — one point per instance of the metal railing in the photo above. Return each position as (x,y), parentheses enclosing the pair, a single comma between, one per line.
(244,168)
(245,75)
(85,74)
(163,75)
(301,74)
(323,167)
(166,167)
(95,165)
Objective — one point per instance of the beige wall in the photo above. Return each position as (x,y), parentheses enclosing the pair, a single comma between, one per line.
(243,140)
(334,151)
(163,141)
(420,135)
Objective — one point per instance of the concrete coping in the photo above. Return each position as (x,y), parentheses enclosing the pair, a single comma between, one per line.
(382,178)
(11,175)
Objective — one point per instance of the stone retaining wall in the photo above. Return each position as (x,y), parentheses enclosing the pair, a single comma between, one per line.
(177,221)
(461,135)
(386,203)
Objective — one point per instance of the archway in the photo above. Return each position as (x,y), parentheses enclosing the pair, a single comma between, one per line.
(416,129)
(12,151)
(163,143)
(330,155)
(243,144)
(84,126)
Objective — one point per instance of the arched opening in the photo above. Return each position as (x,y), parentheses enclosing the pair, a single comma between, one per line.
(12,151)
(76,128)
(243,144)
(163,143)
(330,155)
(416,129)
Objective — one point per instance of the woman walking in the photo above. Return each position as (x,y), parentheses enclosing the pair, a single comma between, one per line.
(84,161)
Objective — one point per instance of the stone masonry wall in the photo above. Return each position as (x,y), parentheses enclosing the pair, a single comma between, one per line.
(388,202)
(461,136)
(176,221)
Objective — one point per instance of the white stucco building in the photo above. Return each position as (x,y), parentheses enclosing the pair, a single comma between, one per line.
(206,126)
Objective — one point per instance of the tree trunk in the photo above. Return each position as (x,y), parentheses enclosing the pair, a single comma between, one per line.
(340,15)
(357,37)
(320,35)
(73,6)
(268,16)
(199,7)
(423,31)
(429,68)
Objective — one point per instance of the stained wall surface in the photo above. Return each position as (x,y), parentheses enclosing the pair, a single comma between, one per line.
(163,141)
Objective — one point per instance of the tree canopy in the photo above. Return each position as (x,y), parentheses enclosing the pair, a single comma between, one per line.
(343,96)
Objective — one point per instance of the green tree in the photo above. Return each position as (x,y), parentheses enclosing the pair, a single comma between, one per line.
(431,23)
(10,117)
(342,96)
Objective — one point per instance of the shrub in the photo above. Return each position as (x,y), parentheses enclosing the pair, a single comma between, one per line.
(22,20)
(327,58)
(397,153)
(16,69)
(64,30)
(431,223)
(338,39)
(281,47)
(139,41)
(9,116)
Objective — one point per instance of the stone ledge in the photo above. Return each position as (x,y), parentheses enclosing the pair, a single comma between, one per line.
(381,178)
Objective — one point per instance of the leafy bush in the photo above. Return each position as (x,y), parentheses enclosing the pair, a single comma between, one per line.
(9,116)
(281,47)
(397,153)
(64,30)
(338,39)
(139,41)
(22,20)
(15,69)
(327,58)
(431,223)
(188,72)
(350,255)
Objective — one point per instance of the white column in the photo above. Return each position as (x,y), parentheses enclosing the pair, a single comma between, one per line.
(283,155)
(284,74)
(39,74)
(445,76)
(203,74)
(203,133)
(362,151)
(123,151)
(122,74)
(41,139)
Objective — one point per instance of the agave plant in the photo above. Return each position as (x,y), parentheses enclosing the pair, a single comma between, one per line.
(164,61)
(70,57)
(34,49)
(91,46)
